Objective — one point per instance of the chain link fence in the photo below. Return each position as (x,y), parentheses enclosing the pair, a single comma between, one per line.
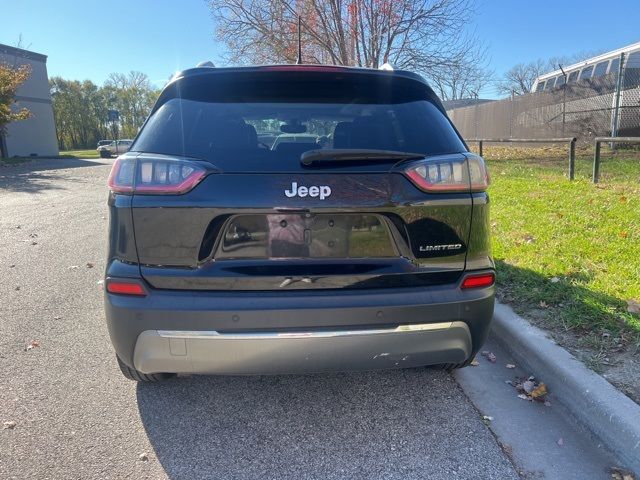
(603,106)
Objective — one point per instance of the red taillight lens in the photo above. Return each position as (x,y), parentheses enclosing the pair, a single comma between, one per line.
(478,281)
(449,174)
(154,175)
(125,288)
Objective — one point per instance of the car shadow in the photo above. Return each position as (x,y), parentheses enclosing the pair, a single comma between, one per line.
(393,423)
(37,176)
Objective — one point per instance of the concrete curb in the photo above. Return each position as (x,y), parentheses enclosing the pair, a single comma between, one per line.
(610,415)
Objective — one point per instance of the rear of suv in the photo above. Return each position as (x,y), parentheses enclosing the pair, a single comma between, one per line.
(289,219)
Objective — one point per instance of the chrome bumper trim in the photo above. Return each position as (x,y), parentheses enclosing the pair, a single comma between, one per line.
(195,334)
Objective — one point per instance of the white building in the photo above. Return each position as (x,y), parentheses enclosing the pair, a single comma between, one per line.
(35,136)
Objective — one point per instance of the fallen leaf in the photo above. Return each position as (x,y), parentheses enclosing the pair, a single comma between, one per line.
(32,345)
(623,199)
(89,265)
(474,363)
(619,474)
(529,239)
(623,234)
(560,441)
(554,280)
(543,304)
(523,396)
(486,419)
(489,356)
(510,366)
(539,391)
(12,265)
(547,403)
(143,457)
(633,306)
(72,267)
(57,317)
(528,387)
(9,425)
(100,282)
(17,288)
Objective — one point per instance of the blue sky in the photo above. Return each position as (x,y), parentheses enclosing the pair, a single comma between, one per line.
(90,39)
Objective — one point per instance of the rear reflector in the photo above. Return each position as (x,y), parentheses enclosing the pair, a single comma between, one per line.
(478,281)
(125,288)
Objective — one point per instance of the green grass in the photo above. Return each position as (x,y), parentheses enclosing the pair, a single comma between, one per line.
(93,153)
(63,154)
(568,253)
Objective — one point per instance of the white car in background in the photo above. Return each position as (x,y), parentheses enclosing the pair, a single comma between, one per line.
(114,148)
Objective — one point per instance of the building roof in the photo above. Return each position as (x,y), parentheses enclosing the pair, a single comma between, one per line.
(604,56)
(20,52)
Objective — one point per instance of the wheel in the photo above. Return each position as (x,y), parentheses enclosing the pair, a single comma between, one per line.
(105,154)
(133,374)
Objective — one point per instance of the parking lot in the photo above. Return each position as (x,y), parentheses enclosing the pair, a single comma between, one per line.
(77,417)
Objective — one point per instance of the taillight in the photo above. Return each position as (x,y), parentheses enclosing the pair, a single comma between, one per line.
(157,176)
(449,174)
(478,281)
(123,287)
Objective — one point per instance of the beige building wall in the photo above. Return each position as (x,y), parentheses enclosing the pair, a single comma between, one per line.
(36,135)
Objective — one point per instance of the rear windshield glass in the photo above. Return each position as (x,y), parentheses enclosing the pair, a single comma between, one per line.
(268,127)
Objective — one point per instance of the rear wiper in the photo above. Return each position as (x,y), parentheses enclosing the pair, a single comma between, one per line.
(355,155)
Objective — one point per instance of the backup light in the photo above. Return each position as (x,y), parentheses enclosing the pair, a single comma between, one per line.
(154,176)
(449,174)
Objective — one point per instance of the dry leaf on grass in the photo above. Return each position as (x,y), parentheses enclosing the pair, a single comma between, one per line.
(633,306)
(554,280)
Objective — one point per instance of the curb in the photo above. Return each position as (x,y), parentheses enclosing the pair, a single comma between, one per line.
(596,404)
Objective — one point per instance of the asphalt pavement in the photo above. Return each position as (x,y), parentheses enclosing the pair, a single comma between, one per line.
(67,412)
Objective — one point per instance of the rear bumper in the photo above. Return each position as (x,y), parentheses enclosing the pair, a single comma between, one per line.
(286,332)
(210,352)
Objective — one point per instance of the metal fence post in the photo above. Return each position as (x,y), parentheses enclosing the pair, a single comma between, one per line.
(616,111)
(480,147)
(572,158)
(596,163)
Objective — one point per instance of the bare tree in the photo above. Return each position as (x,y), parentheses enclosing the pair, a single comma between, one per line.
(421,35)
(462,81)
(520,78)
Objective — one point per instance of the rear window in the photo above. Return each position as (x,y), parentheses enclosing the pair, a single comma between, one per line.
(266,123)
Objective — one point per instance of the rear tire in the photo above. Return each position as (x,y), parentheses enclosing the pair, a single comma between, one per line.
(104,154)
(135,375)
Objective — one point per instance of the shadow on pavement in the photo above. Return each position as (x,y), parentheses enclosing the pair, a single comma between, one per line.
(389,424)
(33,177)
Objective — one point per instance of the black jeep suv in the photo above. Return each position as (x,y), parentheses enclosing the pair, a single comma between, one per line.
(285,219)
